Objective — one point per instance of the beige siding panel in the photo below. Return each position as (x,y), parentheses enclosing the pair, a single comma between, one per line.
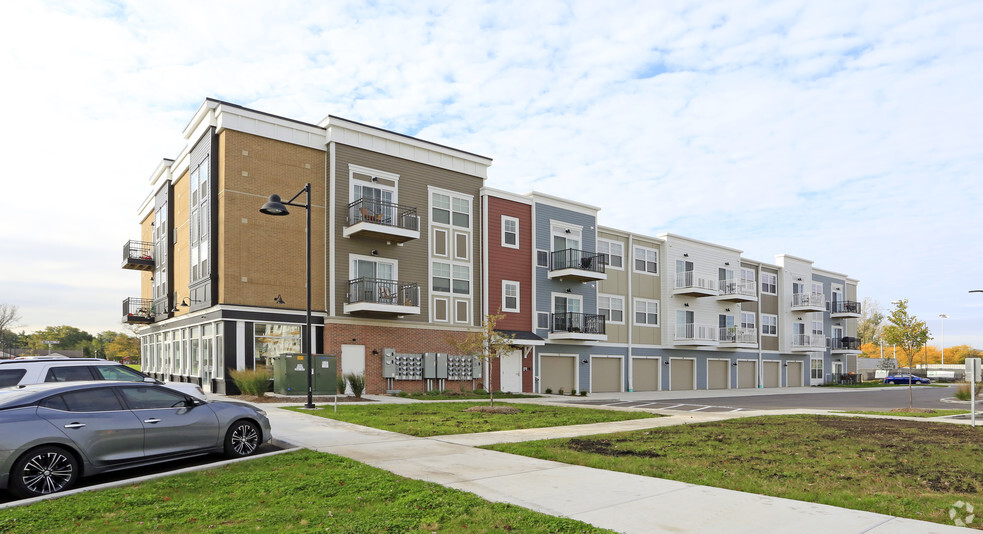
(147,236)
(605,375)
(772,374)
(681,374)
(557,372)
(793,374)
(645,374)
(769,343)
(717,373)
(746,374)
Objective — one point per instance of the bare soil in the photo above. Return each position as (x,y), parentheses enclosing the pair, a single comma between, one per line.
(301,399)
(494,409)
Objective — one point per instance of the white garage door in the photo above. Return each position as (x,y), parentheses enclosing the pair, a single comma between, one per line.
(681,374)
(793,374)
(645,374)
(747,374)
(605,375)
(772,374)
(556,373)
(717,371)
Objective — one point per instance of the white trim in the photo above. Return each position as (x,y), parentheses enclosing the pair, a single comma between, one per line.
(376,173)
(447,310)
(610,297)
(505,195)
(467,246)
(564,203)
(352,169)
(516,221)
(329,253)
(535,262)
(560,228)
(568,296)
(762,282)
(447,242)
(658,311)
(467,313)
(761,326)
(518,296)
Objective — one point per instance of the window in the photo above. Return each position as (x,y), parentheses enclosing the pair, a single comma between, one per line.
(69,374)
(510,232)
(510,296)
(747,320)
(817,328)
(542,258)
(152,398)
(646,312)
(11,377)
(440,208)
(612,308)
(542,320)
(816,369)
(118,372)
(441,277)
(646,260)
(92,400)
(270,340)
(200,220)
(769,325)
(461,213)
(462,279)
(565,237)
(614,252)
(817,288)
(747,275)
(769,283)
(446,208)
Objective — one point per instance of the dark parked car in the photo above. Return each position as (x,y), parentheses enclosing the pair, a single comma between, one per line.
(906,378)
(57,432)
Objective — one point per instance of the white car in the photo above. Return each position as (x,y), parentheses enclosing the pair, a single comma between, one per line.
(36,371)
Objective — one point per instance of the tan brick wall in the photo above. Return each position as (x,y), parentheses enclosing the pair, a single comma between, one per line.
(147,236)
(261,256)
(181,259)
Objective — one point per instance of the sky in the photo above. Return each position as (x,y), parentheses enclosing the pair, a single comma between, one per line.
(849,133)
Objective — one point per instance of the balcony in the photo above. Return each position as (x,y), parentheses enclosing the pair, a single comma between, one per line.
(137,255)
(808,302)
(808,343)
(687,283)
(577,327)
(844,309)
(736,337)
(138,311)
(378,219)
(738,291)
(845,345)
(697,335)
(578,265)
(377,296)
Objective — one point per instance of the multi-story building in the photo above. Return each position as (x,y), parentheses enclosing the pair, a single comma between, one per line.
(410,251)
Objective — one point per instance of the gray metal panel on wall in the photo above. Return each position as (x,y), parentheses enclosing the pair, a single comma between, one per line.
(202,292)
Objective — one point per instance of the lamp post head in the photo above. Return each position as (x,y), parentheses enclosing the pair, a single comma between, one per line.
(944,316)
(274,206)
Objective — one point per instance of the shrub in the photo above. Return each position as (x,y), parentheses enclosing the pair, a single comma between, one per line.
(559,391)
(583,393)
(962,391)
(480,391)
(356,381)
(549,391)
(251,382)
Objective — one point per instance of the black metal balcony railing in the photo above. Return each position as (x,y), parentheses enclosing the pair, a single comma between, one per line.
(845,343)
(137,310)
(138,254)
(845,306)
(382,291)
(384,213)
(585,323)
(583,260)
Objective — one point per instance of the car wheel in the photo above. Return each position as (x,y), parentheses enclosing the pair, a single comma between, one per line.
(242,439)
(42,471)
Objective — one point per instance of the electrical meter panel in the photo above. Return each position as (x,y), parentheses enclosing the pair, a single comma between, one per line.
(459,367)
(430,365)
(409,366)
(476,368)
(441,366)
(388,363)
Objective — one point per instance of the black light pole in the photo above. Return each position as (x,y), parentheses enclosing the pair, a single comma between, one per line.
(275,207)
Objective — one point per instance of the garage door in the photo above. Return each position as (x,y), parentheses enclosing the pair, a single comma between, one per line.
(645,374)
(793,374)
(556,372)
(605,374)
(772,374)
(717,371)
(746,374)
(681,374)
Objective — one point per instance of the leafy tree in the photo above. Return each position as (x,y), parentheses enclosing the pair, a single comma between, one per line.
(869,325)
(486,344)
(68,337)
(907,332)
(8,319)
(123,347)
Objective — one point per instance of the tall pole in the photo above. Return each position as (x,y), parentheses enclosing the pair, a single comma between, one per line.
(307,333)
(943,317)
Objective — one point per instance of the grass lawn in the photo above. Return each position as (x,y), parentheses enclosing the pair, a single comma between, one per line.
(915,469)
(134,366)
(294,492)
(464,395)
(935,413)
(438,419)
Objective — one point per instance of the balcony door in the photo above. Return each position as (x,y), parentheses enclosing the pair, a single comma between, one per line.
(728,330)
(380,270)
(565,238)
(565,312)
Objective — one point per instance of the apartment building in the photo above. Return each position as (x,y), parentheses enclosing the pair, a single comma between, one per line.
(410,251)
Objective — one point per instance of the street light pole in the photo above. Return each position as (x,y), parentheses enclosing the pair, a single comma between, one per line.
(943,317)
(278,208)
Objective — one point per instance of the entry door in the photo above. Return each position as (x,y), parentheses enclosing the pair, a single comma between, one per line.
(510,364)
(352,361)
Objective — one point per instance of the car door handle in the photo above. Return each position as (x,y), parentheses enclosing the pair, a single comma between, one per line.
(152,420)
(75,425)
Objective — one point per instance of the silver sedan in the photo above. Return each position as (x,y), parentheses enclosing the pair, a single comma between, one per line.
(52,434)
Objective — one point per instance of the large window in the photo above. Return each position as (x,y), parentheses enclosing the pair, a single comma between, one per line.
(816,368)
(646,260)
(449,278)
(510,232)
(200,220)
(447,209)
(274,339)
(612,308)
(646,312)
(747,320)
(769,325)
(769,283)
(614,251)
(510,296)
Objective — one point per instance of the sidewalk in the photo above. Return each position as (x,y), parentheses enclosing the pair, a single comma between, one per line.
(618,501)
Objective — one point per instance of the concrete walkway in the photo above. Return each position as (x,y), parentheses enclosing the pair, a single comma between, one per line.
(618,501)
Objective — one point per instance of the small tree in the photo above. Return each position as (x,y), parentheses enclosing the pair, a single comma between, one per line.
(486,344)
(869,326)
(908,333)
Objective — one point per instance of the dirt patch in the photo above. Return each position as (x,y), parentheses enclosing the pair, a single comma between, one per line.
(294,399)
(608,448)
(912,410)
(493,409)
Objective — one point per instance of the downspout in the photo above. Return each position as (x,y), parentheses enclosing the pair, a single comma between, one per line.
(629,305)
(329,254)
(483,251)
(757,326)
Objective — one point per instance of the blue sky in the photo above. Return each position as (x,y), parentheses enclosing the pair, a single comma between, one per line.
(849,133)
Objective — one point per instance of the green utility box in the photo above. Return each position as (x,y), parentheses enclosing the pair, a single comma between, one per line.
(290,374)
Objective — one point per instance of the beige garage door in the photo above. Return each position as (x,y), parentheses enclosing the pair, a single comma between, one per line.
(605,374)
(717,371)
(556,372)
(793,375)
(772,374)
(681,374)
(645,374)
(746,374)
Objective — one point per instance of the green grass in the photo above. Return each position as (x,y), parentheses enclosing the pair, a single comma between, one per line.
(464,395)
(936,413)
(861,385)
(294,492)
(438,419)
(915,469)
(134,366)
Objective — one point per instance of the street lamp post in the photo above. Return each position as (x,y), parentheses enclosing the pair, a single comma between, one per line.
(274,206)
(943,317)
